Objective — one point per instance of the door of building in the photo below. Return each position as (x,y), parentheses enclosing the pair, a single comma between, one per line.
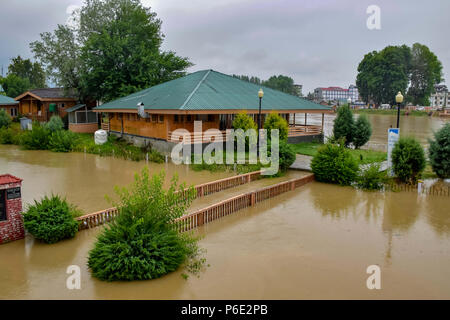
(2,205)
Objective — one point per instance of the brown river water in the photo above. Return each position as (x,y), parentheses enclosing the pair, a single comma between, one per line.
(314,242)
(421,128)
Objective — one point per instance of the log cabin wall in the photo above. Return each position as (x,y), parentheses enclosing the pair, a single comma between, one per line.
(159,125)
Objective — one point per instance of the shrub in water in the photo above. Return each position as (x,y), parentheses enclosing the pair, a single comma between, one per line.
(36,139)
(439,152)
(51,219)
(344,125)
(62,141)
(333,163)
(275,121)
(55,124)
(5,119)
(371,178)
(362,131)
(408,160)
(287,156)
(142,242)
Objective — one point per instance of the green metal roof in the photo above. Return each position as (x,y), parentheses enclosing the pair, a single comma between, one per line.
(4,100)
(210,90)
(75,108)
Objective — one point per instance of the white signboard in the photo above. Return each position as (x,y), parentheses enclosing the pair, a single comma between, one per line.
(393,136)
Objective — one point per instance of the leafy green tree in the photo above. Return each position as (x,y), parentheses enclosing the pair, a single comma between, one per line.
(112,50)
(275,121)
(142,242)
(362,131)
(426,72)
(59,53)
(408,160)
(52,219)
(5,119)
(25,69)
(344,125)
(281,83)
(334,164)
(439,152)
(14,85)
(382,74)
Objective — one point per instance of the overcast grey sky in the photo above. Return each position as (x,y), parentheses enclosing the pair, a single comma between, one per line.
(317,43)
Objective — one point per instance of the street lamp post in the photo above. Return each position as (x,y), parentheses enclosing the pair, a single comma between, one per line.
(399,100)
(349,100)
(260,95)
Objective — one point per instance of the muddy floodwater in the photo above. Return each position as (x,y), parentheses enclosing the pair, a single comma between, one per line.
(314,242)
(421,128)
(84,179)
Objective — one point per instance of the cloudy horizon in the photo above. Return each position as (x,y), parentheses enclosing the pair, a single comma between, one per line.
(317,43)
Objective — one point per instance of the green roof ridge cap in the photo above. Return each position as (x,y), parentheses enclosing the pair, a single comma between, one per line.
(195,90)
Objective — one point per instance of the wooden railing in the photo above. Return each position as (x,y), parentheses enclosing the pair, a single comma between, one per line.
(434,190)
(105,126)
(302,130)
(229,206)
(213,212)
(205,137)
(100,217)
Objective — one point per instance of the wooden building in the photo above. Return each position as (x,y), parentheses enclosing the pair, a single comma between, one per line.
(207,95)
(41,104)
(10,105)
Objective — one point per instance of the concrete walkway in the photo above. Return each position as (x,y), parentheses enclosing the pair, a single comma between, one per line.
(303,163)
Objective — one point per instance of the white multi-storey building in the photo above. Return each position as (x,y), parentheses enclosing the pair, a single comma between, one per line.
(337,94)
(440,98)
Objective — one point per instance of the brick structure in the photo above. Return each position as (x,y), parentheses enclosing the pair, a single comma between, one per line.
(11,223)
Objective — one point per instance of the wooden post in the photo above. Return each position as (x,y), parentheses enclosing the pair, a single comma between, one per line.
(323,117)
(252,199)
(306,117)
(201,218)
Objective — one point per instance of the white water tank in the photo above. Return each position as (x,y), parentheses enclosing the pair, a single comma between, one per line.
(100,136)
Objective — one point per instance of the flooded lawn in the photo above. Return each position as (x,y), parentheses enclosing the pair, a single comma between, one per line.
(84,179)
(420,127)
(315,242)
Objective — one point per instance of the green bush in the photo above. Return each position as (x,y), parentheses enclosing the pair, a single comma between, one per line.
(6,136)
(55,124)
(36,139)
(142,243)
(344,125)
(362,131)
(5,119)
(287,156)
(51,219)
(275,121)
(371,178)
(334,163)
(62,141)
(245,122)
(439,152)
(408,160)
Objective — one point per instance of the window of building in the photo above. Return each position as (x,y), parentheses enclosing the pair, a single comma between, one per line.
(176,118)
(181,118)
(161,118)
(3,216)
(154,117)
(188,118)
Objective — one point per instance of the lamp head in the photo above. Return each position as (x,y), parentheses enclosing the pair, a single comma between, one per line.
(399,97)
(260,93)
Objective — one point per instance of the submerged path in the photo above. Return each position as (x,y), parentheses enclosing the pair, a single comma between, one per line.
(211,199)
(218,199)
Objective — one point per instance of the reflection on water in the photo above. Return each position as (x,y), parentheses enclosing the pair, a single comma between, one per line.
(315,242)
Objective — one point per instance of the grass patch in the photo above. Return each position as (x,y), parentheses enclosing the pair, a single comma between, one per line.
(360,155)
(415,113)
